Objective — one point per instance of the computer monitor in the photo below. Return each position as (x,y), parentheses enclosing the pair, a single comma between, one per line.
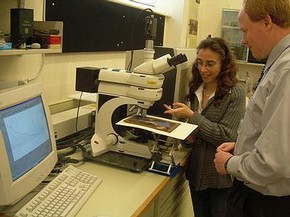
(27,145)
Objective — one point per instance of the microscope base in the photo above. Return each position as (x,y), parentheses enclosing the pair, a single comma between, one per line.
(121,160)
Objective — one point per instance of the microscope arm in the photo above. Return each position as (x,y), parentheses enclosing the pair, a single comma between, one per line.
(120,76)
(105,138)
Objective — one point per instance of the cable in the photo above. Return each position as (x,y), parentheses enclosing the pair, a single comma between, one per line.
(75,138)
(132,35)
(40,70)
(25,81)
(75,141)
(44,10)
(86,155)
(78,110)
(69,146)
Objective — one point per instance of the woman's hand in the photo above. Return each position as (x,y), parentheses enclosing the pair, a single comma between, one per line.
(191,139)
(180,110)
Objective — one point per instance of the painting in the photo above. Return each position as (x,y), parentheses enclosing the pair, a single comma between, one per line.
(193,25)
(153,122)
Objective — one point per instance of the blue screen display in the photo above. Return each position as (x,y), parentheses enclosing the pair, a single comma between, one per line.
(26,135)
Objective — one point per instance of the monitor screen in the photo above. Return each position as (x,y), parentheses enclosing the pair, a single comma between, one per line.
(26,136)
(27,145)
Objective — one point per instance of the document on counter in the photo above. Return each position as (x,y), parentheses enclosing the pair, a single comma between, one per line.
(158,125)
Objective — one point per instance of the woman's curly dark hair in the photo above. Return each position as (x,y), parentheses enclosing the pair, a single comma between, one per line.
(227,77)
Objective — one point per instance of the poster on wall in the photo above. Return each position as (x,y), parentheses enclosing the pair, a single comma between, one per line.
(191,36)
(193,24)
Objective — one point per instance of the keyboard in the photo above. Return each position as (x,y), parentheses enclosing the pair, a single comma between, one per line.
(63,196)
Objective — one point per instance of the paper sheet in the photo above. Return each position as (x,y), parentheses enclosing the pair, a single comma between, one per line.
(161,126)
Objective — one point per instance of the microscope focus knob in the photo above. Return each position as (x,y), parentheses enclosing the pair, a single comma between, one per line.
(112,139)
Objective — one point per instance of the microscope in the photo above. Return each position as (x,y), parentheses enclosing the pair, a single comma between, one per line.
(139,88)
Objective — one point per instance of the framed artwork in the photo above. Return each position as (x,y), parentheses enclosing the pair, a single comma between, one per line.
(193,24)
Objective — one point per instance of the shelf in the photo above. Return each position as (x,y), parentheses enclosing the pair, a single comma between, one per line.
(27,51)
(250,64)
(231,27)
(40,26)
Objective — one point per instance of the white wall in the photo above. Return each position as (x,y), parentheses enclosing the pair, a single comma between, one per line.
(58,74)
(176,24)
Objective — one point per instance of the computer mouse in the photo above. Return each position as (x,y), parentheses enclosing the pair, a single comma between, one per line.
(35,46)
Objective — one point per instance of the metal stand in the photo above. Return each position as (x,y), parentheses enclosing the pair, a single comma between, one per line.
(163,155)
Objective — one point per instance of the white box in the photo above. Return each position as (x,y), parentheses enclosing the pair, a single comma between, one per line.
(64,123)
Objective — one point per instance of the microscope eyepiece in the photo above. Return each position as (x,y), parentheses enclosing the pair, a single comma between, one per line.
(180,58)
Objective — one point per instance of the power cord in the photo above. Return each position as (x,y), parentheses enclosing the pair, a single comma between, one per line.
(69,145)
(78,110)
(27,80)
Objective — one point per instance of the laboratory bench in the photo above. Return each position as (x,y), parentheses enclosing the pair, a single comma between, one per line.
(123,193)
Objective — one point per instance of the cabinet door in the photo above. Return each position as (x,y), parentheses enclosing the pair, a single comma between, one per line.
(175,199)
(232,34)
(230,31)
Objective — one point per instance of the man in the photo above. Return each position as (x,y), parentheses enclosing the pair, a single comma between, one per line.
(260,164)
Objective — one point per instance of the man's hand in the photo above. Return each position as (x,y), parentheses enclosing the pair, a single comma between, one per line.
(224,153)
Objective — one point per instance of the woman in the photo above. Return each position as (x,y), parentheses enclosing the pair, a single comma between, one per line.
(217,107)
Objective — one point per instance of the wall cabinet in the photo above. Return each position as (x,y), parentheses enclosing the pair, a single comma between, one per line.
(230,31)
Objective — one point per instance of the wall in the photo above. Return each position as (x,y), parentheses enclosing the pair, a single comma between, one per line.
(210,16)
(58,74)
(176,24)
